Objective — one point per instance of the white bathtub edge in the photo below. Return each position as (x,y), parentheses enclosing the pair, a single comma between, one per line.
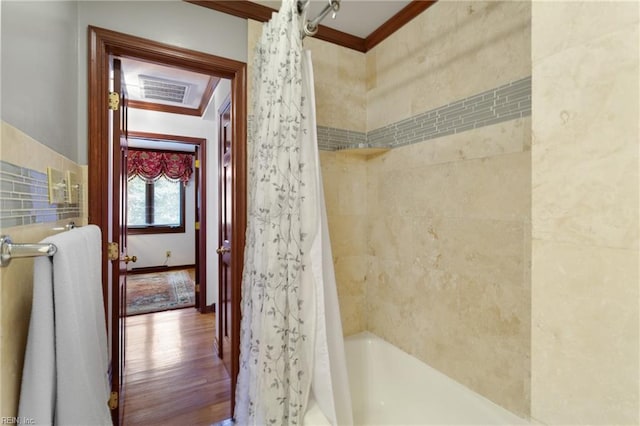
(373,339)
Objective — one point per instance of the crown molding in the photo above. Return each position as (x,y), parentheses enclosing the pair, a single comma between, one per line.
(249,10)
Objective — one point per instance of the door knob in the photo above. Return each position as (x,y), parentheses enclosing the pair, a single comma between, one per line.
(222,250)
(128,259)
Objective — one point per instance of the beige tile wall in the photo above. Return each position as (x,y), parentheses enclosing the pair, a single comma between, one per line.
(16,280)
(339,84)
(344,179)
(449,218)
(341,103)
(453,50)
(448,232)
(585,213)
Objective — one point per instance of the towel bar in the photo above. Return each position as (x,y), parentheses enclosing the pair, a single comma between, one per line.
(10,250)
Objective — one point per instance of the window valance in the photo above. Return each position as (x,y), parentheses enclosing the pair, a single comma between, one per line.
(151,165)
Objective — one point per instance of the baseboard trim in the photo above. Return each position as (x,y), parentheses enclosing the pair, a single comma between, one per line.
(209,309)
(161,268)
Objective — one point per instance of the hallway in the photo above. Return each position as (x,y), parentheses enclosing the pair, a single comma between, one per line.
(172,375)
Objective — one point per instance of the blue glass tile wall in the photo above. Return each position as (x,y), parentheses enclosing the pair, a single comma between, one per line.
(24,198)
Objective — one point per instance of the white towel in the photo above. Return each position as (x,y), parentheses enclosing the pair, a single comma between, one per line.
(65,378)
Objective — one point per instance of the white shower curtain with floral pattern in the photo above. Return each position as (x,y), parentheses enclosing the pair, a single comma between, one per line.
(291,347)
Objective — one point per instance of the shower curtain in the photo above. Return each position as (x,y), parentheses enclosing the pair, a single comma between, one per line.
(291,345)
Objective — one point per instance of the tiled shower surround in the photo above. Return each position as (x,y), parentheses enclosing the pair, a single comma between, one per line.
(24,198)
(506,102)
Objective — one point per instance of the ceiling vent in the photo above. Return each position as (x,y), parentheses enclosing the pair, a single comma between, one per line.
(163,90)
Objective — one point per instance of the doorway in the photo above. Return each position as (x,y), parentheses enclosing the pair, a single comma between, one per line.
(104,44)
(166,202)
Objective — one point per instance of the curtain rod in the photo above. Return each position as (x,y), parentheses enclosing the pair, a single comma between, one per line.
(311,26)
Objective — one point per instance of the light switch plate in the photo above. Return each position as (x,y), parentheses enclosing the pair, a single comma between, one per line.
(57,186)
(73,188)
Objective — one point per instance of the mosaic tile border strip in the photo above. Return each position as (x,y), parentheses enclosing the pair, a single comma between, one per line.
(331,139)
(504,103)
(24,198)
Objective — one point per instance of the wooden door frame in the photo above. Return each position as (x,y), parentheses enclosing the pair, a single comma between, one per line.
(200,143)
(220,147)
(118,278)
(102,44)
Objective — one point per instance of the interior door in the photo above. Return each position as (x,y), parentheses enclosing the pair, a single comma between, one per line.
(200,305)
(118,229)
(225,301)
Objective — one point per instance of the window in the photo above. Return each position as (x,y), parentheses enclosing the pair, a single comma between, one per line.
(155,192)
(155,207)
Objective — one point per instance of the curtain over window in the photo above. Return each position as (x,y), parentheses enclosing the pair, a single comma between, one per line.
(151,165)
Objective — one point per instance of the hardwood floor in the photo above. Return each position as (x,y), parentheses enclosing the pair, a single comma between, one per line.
(172,374)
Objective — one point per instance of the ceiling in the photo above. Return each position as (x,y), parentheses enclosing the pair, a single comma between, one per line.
(361,20)
(359,24)
(356,17)
(161,88)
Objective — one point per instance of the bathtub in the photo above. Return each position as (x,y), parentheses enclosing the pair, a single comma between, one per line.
(390,387)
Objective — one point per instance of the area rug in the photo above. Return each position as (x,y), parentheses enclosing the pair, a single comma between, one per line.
(159,291)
